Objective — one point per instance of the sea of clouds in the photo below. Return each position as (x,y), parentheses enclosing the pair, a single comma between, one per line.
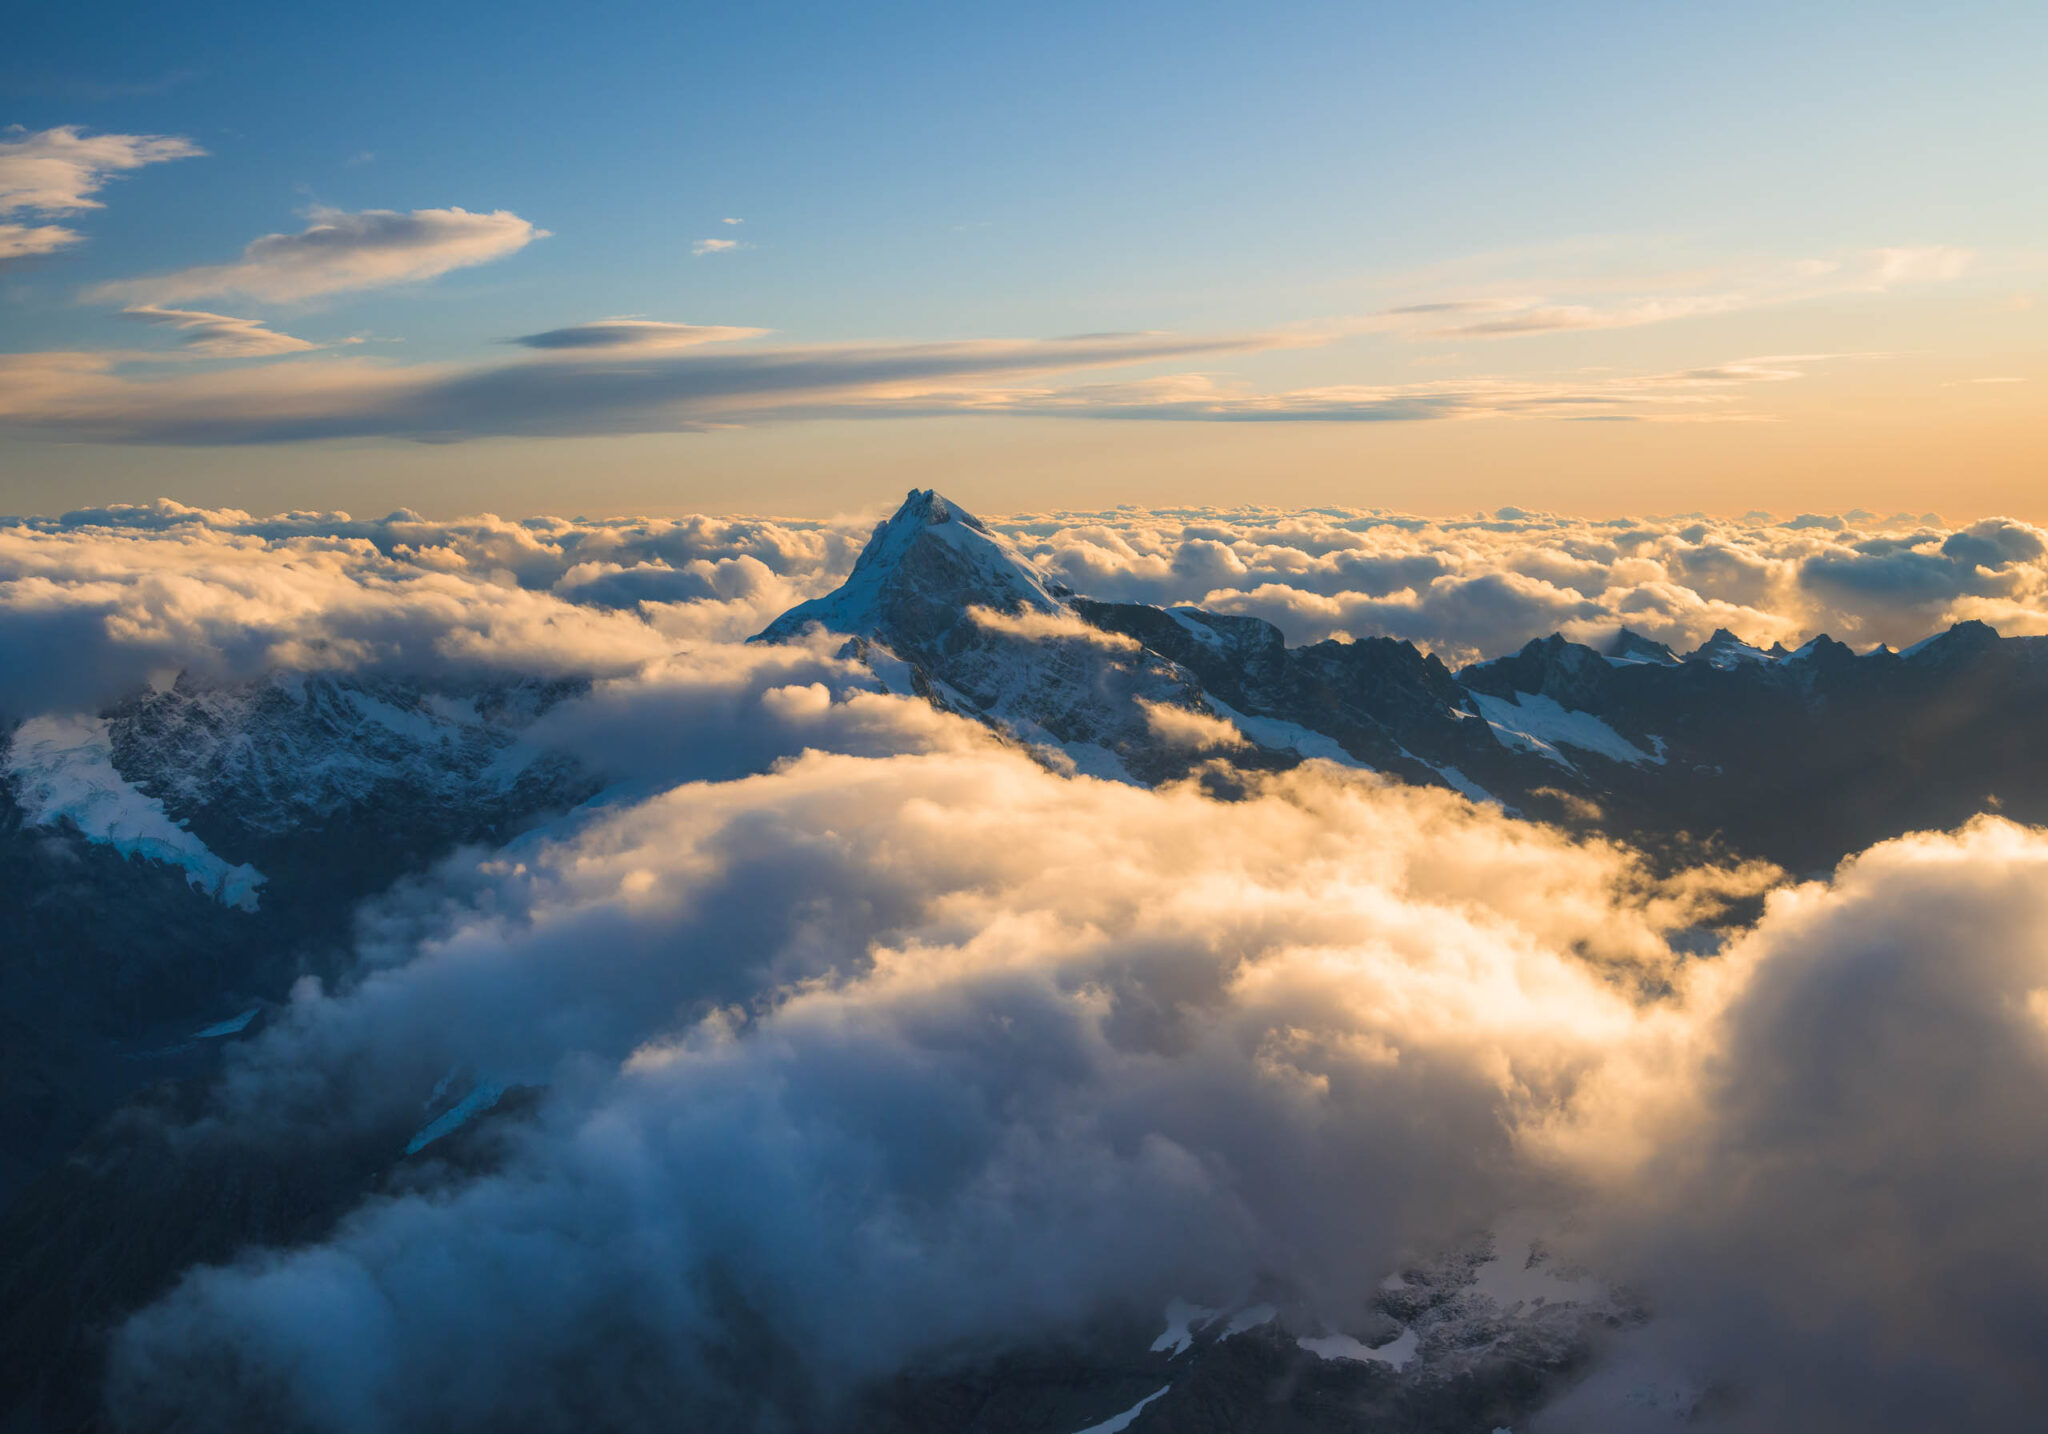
(842,1013)
(90,597)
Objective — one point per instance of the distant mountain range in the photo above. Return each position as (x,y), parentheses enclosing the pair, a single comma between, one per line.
(1799,757)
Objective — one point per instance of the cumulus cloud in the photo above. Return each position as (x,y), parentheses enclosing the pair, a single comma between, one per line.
(1483,586)
(1836,1216)
(58,171)
(337,253)
(100,600)
(1184,727)
(1031,1048)
(221,335)
(1026,1045)
(713,246)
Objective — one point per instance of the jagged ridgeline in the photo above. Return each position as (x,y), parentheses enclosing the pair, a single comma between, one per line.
(1795,756)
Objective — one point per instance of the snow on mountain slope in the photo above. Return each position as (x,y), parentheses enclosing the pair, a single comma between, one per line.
(1725,650)
(1117,1423)
(931,553)
(481,1098)
(986,636)
(1541,725)
(1395,1353)
(287,751)
(63,769)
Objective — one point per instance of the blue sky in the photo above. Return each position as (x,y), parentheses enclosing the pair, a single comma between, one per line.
(909,173)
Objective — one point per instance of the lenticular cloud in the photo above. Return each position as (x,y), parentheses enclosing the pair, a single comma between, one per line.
(837,1038)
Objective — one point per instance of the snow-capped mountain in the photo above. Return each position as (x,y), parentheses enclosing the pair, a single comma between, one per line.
(942,606)
(1798,756)
(295,770)
(951,610)
(186,854)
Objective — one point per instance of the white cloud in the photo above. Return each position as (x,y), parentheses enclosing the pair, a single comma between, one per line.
(104,597)
(1483,586)
(1031,1048)
(1025,1046)
(20,241)
(644,335)
(220,335)
(607,377)
(1607,303)
(713,246)
(57,171)
(337,253)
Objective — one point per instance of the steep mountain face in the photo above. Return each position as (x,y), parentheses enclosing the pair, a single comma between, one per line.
(1804,756)
(188,854)
(941,606)
(181,859)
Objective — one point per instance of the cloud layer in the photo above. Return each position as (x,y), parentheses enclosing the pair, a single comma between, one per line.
(103,599)
(610,377)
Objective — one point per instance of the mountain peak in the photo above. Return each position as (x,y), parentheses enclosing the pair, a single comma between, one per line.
(927,508)
(1966,637)
(1629,647)
(919,573)
(1725,650)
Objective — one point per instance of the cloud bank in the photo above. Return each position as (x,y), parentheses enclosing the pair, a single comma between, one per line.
(102,600)
(1032,1048)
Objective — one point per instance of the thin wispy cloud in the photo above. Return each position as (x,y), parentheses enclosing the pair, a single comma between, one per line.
(612,377)
(340,252)
(1693,294)
(1696,395)
(643,335)
(22,241)
(58,171)
(617,376)
(220,335)
(714,246)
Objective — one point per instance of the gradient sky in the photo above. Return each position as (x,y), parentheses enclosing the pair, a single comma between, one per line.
(1589,258)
